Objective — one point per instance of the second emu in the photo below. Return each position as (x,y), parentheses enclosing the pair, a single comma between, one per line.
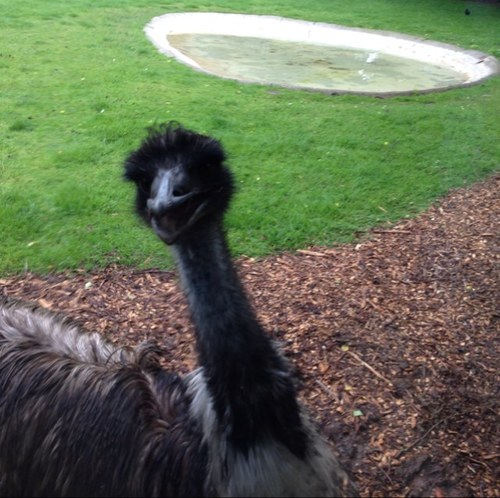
(82,417)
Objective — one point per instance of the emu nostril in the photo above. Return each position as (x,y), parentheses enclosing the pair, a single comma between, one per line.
(152,207)
(158,206)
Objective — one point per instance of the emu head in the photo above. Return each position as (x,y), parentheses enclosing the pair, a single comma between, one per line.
(181,180)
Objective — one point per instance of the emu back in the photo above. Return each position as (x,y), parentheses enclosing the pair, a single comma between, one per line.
(80,417)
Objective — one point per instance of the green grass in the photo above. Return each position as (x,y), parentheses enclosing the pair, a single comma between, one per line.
(80,83)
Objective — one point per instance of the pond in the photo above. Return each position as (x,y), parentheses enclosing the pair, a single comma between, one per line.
(315,56)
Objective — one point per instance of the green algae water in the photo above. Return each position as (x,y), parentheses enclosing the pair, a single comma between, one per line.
(302,64)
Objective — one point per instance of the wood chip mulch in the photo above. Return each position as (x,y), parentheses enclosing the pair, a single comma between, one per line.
(395,339)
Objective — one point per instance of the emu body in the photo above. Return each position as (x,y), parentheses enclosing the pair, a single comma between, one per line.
(82,417)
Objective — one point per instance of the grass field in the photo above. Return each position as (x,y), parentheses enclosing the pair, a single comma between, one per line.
(80,83)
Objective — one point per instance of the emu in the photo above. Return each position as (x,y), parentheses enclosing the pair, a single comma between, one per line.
(80,416)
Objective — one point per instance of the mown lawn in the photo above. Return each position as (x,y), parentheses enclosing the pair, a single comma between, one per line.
(80,83)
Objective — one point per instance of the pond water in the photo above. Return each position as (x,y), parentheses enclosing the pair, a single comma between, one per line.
(316,66)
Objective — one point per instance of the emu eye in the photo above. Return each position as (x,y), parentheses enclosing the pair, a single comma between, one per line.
(180,190)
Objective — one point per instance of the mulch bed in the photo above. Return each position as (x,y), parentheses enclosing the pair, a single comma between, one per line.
(395,339)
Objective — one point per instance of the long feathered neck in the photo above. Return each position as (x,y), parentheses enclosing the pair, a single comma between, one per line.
(248,379)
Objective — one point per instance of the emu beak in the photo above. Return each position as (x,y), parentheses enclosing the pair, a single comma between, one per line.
(171,209)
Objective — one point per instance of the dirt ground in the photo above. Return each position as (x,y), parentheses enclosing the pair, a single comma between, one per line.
(395,339)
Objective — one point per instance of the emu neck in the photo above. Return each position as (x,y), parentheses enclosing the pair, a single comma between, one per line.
(219,307)
(246,376)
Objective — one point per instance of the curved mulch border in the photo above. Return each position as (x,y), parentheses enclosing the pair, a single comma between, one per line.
(395,338)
